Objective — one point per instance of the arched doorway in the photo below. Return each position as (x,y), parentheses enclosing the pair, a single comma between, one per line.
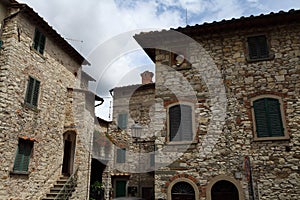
(69,152)
(224,190)
(183,191)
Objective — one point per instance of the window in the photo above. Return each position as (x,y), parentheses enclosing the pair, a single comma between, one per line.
(121,155)
(180,123)
(32,93)
(122,121)
(268,119)
(152,160)
(258,47)
(39,41)
(23,155)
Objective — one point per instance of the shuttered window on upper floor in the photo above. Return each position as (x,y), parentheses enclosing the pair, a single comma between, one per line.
(180,123)
(32,93)
(122,120)
(268,118)
(121,156)
(258,47)
(23,155)
(39,41)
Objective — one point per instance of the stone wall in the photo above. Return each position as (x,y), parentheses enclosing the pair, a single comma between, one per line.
(275,164)
(55,69)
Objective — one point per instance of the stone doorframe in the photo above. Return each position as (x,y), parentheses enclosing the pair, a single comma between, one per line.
(71,137)
(235,182)
(169,193)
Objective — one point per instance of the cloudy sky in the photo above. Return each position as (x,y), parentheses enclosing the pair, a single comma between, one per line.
(94,27)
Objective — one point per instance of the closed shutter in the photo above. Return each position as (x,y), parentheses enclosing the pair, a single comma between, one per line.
(186,123)
(180,123)
(39,41)
(32,94)
(35,94)
(42,43)
(174,122)
(268,118)
(36,40)
(122,121)
(257,47)
(30,85)
(23,155)
(121,155)
(261,118)
(274,115)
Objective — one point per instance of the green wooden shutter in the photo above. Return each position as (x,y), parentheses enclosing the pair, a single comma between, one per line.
(30,85)
(35,94)
(39,41)
(174,122)
(261,118)
(257,47)
(36,39)
(121,155)
(23,155)
(122,121)
(32,92)
(268,117)
(186,123)
(152,159)
(274,114)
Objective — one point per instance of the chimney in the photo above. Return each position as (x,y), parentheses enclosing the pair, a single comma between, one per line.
(147,77)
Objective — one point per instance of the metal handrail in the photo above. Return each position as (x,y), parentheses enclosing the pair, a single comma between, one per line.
(68,187)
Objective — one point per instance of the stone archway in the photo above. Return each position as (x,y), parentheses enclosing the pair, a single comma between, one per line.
(183,189)
(69,153)
(224,187)
(224,190)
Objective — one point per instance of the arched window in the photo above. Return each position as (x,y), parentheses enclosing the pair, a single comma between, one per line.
(182,191)
(268,118)
(224,190)
(180,123)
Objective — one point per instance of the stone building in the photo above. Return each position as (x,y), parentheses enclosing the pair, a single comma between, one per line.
(46,111)
(227,108)
(130,169)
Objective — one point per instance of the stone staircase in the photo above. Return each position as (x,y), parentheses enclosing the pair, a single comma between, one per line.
(62,190)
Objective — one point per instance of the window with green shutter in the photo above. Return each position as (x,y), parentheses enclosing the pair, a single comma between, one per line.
(152,160)
(258,47)
(39,41)
(32,93)
(180,123)
(23,155)
(268,118)
(122,120)
(121,156)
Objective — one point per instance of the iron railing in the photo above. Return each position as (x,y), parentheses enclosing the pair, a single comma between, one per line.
(68,187)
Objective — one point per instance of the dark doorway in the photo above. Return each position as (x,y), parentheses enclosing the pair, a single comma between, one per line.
(147,193)
(224,190)
(97,169)
(183,191)
(69,148)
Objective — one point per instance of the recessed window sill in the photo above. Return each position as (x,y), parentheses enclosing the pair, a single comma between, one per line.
(38,53)
(181,142)
(270,57)
(261,139)
(31,107)
(19,173)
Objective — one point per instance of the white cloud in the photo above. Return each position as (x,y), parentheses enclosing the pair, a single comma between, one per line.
(98,21)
